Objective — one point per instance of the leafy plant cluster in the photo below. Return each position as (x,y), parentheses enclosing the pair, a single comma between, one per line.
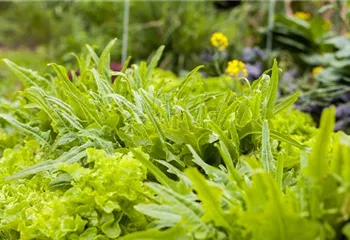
(151,156)
(313,44)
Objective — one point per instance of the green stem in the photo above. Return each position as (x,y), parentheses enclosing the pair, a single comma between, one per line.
(125,30)
(270,26)
(216,63)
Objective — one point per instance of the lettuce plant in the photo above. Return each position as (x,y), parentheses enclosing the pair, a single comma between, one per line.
(151,156)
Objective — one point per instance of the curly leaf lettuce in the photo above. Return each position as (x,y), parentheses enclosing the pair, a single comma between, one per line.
(98,204)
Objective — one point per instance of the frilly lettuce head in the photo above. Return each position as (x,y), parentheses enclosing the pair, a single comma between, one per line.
(97,205)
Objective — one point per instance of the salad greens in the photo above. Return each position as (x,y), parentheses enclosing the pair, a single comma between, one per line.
(152,156)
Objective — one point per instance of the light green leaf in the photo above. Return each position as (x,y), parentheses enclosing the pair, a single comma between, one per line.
(154,62)
(272,90)
(104,58)
(42,137)
(210,197)
(318,160)
(286,103)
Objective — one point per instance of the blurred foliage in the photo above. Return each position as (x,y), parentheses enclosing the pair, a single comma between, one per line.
(183,26)
(305,45)
(298,35)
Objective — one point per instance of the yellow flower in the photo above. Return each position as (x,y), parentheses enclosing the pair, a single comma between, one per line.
(347,35)
(317,70)
(236,68)
(219,40)
(302,15)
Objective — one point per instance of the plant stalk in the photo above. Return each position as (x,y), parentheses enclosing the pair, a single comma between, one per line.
(272,4)
(125,30)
